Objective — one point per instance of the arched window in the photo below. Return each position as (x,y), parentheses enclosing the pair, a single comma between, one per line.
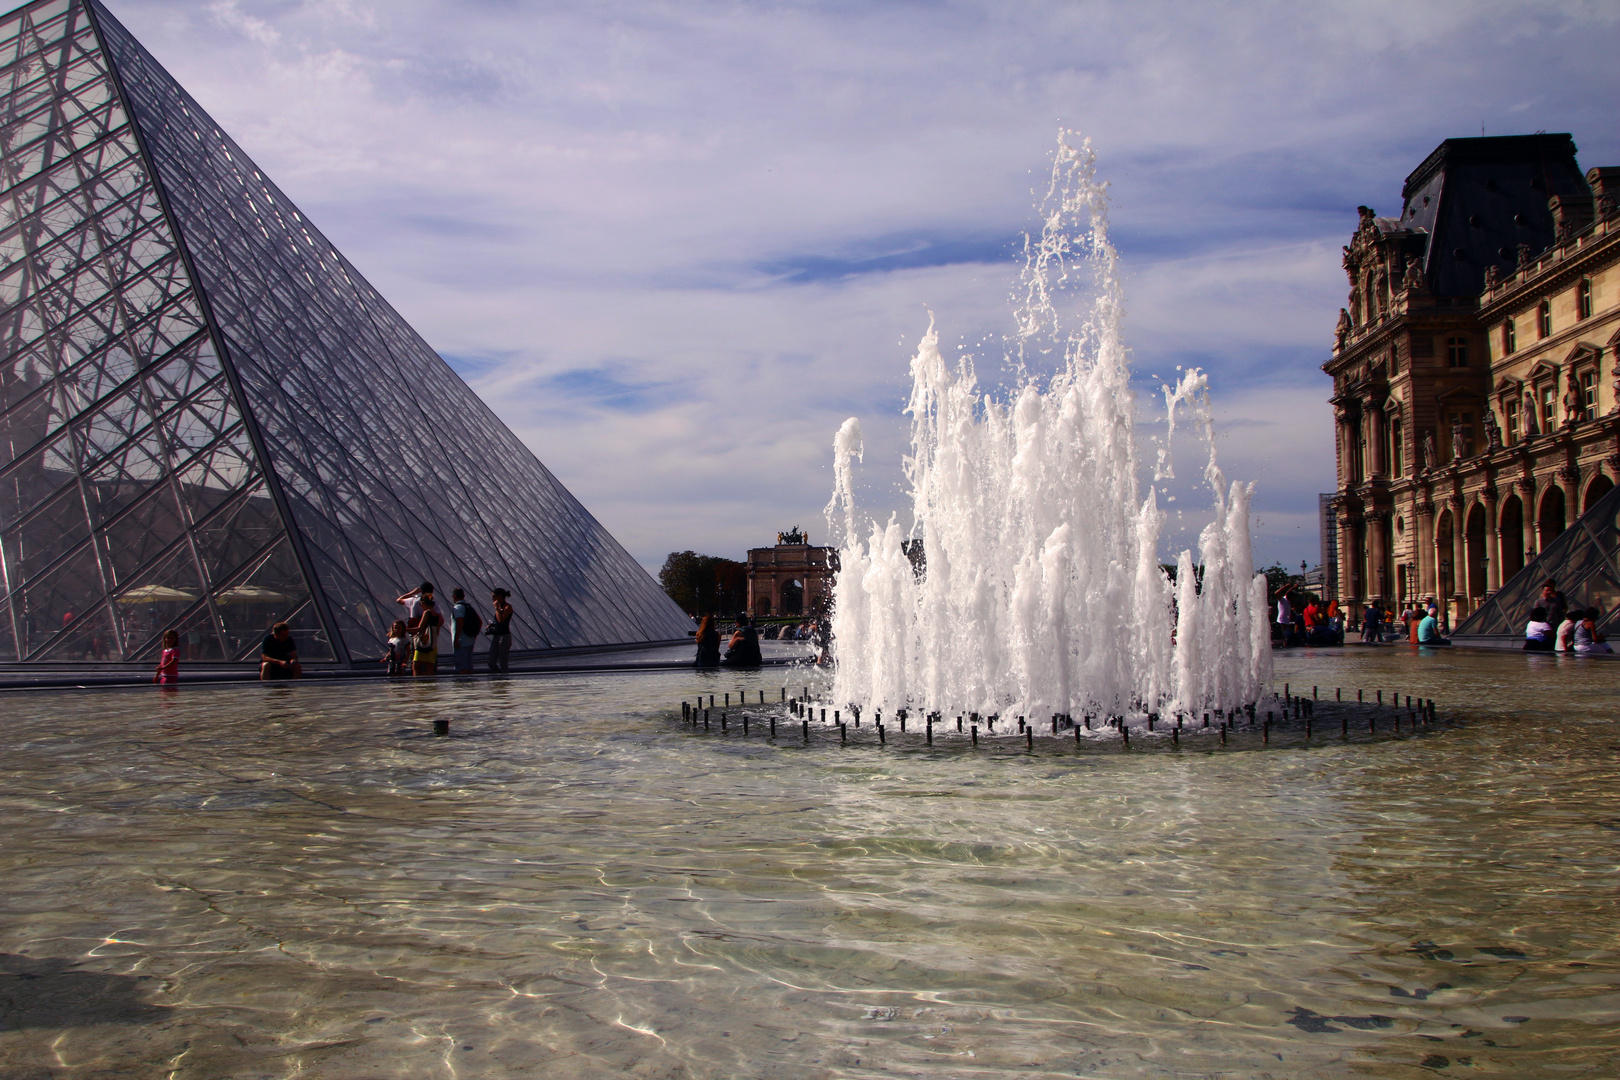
(1457,352)
(1543,319)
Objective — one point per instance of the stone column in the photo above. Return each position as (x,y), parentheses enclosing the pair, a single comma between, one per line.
(1532,535)
(1373,432)
(1348,585)
(1378,555)
(1493,543)
(1425,548)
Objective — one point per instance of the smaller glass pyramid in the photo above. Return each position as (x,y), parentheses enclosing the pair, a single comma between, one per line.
(1585,562)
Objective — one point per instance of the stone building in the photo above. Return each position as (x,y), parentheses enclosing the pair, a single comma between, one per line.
(792,578)
(1474,370)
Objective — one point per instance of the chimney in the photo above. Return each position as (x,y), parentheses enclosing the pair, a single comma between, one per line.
(1605,184)
(1571,214)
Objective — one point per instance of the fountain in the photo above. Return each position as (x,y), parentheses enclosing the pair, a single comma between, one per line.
(1029,580)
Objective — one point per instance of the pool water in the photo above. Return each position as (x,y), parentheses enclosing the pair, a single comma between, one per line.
(304,881)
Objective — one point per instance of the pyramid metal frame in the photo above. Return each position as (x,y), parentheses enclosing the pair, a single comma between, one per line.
(1585,561)
(210,421)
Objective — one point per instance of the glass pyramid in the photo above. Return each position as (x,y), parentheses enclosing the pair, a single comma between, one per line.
(210,422)
(1585,561)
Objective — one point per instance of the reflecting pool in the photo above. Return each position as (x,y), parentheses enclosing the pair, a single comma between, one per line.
(304,881)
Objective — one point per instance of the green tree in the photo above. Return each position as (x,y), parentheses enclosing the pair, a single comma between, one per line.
(704,584)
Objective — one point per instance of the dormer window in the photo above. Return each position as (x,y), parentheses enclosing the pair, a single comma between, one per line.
(1543,319)
(1456,352)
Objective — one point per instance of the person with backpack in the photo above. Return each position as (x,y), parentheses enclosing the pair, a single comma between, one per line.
(464,626)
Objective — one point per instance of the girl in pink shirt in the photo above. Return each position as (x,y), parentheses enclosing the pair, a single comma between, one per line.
(168,669)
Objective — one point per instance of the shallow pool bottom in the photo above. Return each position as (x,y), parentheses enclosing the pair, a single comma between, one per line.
(306,881)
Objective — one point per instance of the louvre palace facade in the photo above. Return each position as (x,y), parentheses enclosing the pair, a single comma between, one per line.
(210,422)
(1475,373)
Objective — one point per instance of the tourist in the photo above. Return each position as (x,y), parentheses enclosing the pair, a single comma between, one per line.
(464,626)
(1312,617)
(1285,614)
(425,640)
(1586,638)
(1369,624)
(1553,601)
(398,656)
(500,631)
(1335,623)
(743,650)
(168,669)
(1538,632)
(1565,640)
(1429,632)
(412,601)
(278,657)
(708,643)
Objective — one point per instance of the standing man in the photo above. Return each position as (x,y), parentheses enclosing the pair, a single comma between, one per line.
(463,631)
(278,658)
(1285,615)
(500,631)
(1553,601)
(412,601)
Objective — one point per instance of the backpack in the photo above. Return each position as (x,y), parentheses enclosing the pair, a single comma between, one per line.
(470,623)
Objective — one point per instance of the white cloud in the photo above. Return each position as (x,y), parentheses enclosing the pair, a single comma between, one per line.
(228,13)
(675,245)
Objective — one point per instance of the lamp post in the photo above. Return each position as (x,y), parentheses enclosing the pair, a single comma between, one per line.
(1445,591)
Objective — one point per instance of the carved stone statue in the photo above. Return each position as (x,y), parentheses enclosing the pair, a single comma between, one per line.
(1572,410)
(1431,456)
(1530,425)
(1493,277)
(1524,257)
(1493,431)
(792,536)
(1414,273)
(1459,447)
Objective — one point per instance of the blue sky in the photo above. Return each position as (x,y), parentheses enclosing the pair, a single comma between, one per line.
(676,244)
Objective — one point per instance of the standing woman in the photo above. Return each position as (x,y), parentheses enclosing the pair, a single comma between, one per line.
(168,669)
(425,641)
(708,643)
(500,631)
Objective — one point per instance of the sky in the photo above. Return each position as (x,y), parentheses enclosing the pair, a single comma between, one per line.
(675,245)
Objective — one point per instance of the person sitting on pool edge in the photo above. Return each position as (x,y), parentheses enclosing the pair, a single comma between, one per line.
(1538,632)
(743,649)
(1429,631)
(278,658)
